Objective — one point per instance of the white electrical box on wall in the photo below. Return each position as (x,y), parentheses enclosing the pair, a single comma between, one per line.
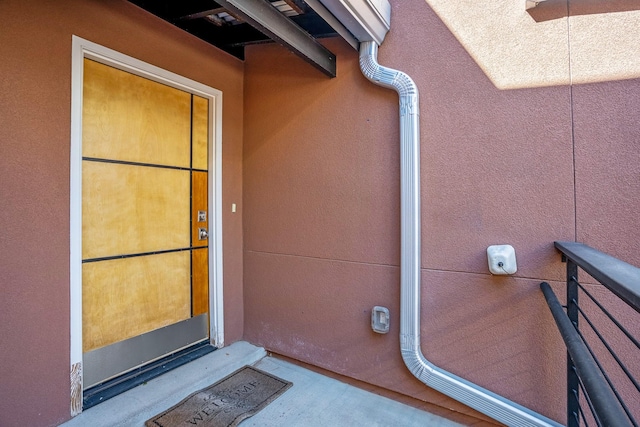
(502,259)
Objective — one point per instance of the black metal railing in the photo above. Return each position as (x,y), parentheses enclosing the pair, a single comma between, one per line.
(603,359)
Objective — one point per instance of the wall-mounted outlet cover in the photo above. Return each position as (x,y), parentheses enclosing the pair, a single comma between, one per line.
(502,259)
(380,319)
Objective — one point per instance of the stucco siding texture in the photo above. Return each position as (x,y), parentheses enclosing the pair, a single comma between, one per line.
(321,221)
(472,334)
(35,82)
(496,164)
(320,164)
(607,137)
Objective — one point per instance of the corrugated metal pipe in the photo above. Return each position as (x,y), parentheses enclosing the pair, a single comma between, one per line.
(472,395)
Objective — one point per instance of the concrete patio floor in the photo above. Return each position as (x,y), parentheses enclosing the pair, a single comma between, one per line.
(314,400)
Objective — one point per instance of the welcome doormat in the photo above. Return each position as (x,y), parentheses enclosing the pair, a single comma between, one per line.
(225,403)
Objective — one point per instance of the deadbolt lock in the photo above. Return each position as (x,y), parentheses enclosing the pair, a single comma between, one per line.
(203,234)
(202,216)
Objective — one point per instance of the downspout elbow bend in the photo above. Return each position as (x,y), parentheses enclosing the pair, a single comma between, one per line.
(384,76)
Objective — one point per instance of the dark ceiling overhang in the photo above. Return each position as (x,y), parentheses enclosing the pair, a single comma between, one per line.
(233,24)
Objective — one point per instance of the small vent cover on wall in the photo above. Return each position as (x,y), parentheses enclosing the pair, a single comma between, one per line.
(380,319)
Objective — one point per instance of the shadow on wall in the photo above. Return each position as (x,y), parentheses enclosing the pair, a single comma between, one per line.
(547,10)
(559,42)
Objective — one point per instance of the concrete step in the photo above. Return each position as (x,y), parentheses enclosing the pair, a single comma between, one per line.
(314,400)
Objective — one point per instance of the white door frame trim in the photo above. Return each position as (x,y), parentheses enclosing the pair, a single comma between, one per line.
(81,49)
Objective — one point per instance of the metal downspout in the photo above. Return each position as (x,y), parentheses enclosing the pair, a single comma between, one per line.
(472,395)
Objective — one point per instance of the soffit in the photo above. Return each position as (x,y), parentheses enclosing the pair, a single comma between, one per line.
(225,25)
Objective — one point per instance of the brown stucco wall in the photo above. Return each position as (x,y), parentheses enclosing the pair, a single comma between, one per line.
(607,138)
(321,195)
(35,82)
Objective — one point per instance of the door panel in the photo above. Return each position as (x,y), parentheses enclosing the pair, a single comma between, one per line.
(126,297)
(199,205)
(130,118)
(200,289)
(130,209)
(200,132)
(200,257)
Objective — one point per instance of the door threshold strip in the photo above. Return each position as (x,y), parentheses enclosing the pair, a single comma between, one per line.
(113,387)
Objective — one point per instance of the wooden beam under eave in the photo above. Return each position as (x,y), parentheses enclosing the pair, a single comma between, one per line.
(268,20)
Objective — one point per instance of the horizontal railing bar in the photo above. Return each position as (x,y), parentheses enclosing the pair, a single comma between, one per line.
(621,278)
(580,413)
(608,347)
(606,377)
(604,401)
(593,411)
(613,319)
(573,402)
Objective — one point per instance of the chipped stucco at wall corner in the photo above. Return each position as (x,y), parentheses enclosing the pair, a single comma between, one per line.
(515,51)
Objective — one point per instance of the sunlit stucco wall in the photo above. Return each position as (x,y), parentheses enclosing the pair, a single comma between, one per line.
(558,42)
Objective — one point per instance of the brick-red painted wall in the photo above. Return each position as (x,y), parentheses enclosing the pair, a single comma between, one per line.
(524,167)
(35,82)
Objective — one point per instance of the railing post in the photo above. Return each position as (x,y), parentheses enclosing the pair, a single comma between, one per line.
(573,386)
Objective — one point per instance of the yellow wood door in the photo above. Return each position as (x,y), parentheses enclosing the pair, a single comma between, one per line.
(144,207)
